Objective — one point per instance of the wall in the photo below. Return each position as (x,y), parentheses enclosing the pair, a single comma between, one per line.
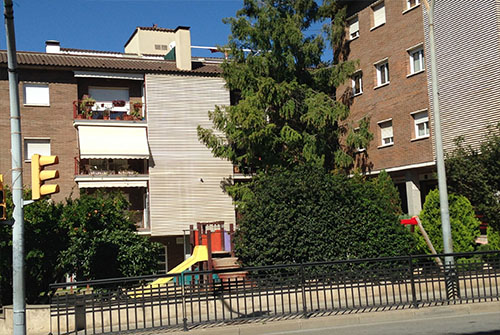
(404,95)
(54,122)
(37,320)
(184,176)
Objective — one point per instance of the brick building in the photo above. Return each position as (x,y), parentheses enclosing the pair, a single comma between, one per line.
(138,136)
(392,86)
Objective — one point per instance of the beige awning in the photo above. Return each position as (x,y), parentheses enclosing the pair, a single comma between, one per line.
(113,142)
(116,183)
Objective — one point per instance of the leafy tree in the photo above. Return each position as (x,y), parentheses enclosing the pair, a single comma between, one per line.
(475,174)
(288,113)
(44,240)
(102,239)
(92,237)
(464,225)
(493,239)
(305,214)
(389,192)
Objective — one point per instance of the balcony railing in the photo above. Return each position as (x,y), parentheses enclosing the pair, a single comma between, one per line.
(83,167)
(108,110)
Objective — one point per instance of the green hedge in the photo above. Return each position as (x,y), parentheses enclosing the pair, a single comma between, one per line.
(307,215)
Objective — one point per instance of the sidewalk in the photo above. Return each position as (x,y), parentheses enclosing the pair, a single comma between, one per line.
(367,321)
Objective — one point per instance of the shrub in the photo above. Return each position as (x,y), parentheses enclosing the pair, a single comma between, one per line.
(463,221)
(306,215)
(91,237)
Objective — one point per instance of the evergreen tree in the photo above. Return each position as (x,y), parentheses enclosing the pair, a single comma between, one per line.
(288,111)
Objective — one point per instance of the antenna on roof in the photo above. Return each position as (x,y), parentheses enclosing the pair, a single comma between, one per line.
(155,25)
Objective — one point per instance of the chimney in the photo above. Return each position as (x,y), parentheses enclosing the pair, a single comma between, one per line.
(183,48)
(52,47)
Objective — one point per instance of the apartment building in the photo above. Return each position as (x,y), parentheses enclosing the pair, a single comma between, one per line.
(392,85)
(126,121)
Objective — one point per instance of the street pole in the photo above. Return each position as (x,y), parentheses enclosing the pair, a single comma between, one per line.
(443,190)
(19,304)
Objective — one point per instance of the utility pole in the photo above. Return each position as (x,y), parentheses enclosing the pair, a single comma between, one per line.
(19,308)
(452,284)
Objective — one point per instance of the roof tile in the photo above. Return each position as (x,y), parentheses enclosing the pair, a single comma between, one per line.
(25,58)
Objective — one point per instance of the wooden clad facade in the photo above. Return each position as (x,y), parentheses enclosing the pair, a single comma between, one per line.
(468,63)
(185,178)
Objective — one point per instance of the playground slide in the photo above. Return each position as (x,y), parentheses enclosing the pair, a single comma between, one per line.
(200,254)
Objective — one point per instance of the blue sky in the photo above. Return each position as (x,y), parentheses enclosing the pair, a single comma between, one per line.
(107,24)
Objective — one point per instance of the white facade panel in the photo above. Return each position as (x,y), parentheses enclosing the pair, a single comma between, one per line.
(184,177)
(468,58)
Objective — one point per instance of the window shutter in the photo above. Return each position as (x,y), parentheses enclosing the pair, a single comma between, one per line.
(36,146)
(36,94)
(421,117)
(353,27)
(378,14)
(386,129)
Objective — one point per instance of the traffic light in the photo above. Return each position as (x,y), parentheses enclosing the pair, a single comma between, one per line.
(39,176)
(3,206)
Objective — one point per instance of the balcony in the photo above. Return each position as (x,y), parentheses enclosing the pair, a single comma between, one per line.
(130,176)
(90,109)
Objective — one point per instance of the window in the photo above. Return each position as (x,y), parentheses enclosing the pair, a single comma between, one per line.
(353,28)
(33,146)
(378,15)
(382,73)
(105,96)
(357,83)
(386,132)
(36,94)
(412,3)
(421,120)
(416,60)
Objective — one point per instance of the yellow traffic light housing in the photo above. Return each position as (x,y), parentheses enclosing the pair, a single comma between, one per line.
(39,176)
(3,205)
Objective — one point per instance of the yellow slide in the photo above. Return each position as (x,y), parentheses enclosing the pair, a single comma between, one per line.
(200,254)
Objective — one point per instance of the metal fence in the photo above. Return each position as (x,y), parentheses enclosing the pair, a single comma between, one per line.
(194,299)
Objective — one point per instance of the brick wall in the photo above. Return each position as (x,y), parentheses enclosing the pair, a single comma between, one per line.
(404,95)
(54,122)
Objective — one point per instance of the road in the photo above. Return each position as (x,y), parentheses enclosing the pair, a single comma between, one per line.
(488,323)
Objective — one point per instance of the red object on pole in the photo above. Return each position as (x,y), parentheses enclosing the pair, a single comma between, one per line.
(412,221)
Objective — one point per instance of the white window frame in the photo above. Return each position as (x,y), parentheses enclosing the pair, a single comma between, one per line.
(390,139)
(409,6)
(358,75)
(379,6)
(383,74)
(421,117)
(353,22)
(42,92)
(39,142)
(417,53)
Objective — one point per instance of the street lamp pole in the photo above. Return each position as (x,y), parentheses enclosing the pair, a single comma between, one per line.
(443,190)
(19,303)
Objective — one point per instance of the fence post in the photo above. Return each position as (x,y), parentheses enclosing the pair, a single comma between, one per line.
(303,280)
(184,317)
(412,281)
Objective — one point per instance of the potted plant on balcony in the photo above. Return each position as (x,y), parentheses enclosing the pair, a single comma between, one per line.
(136,113)
(106,113)
(86,105)
(118,103)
